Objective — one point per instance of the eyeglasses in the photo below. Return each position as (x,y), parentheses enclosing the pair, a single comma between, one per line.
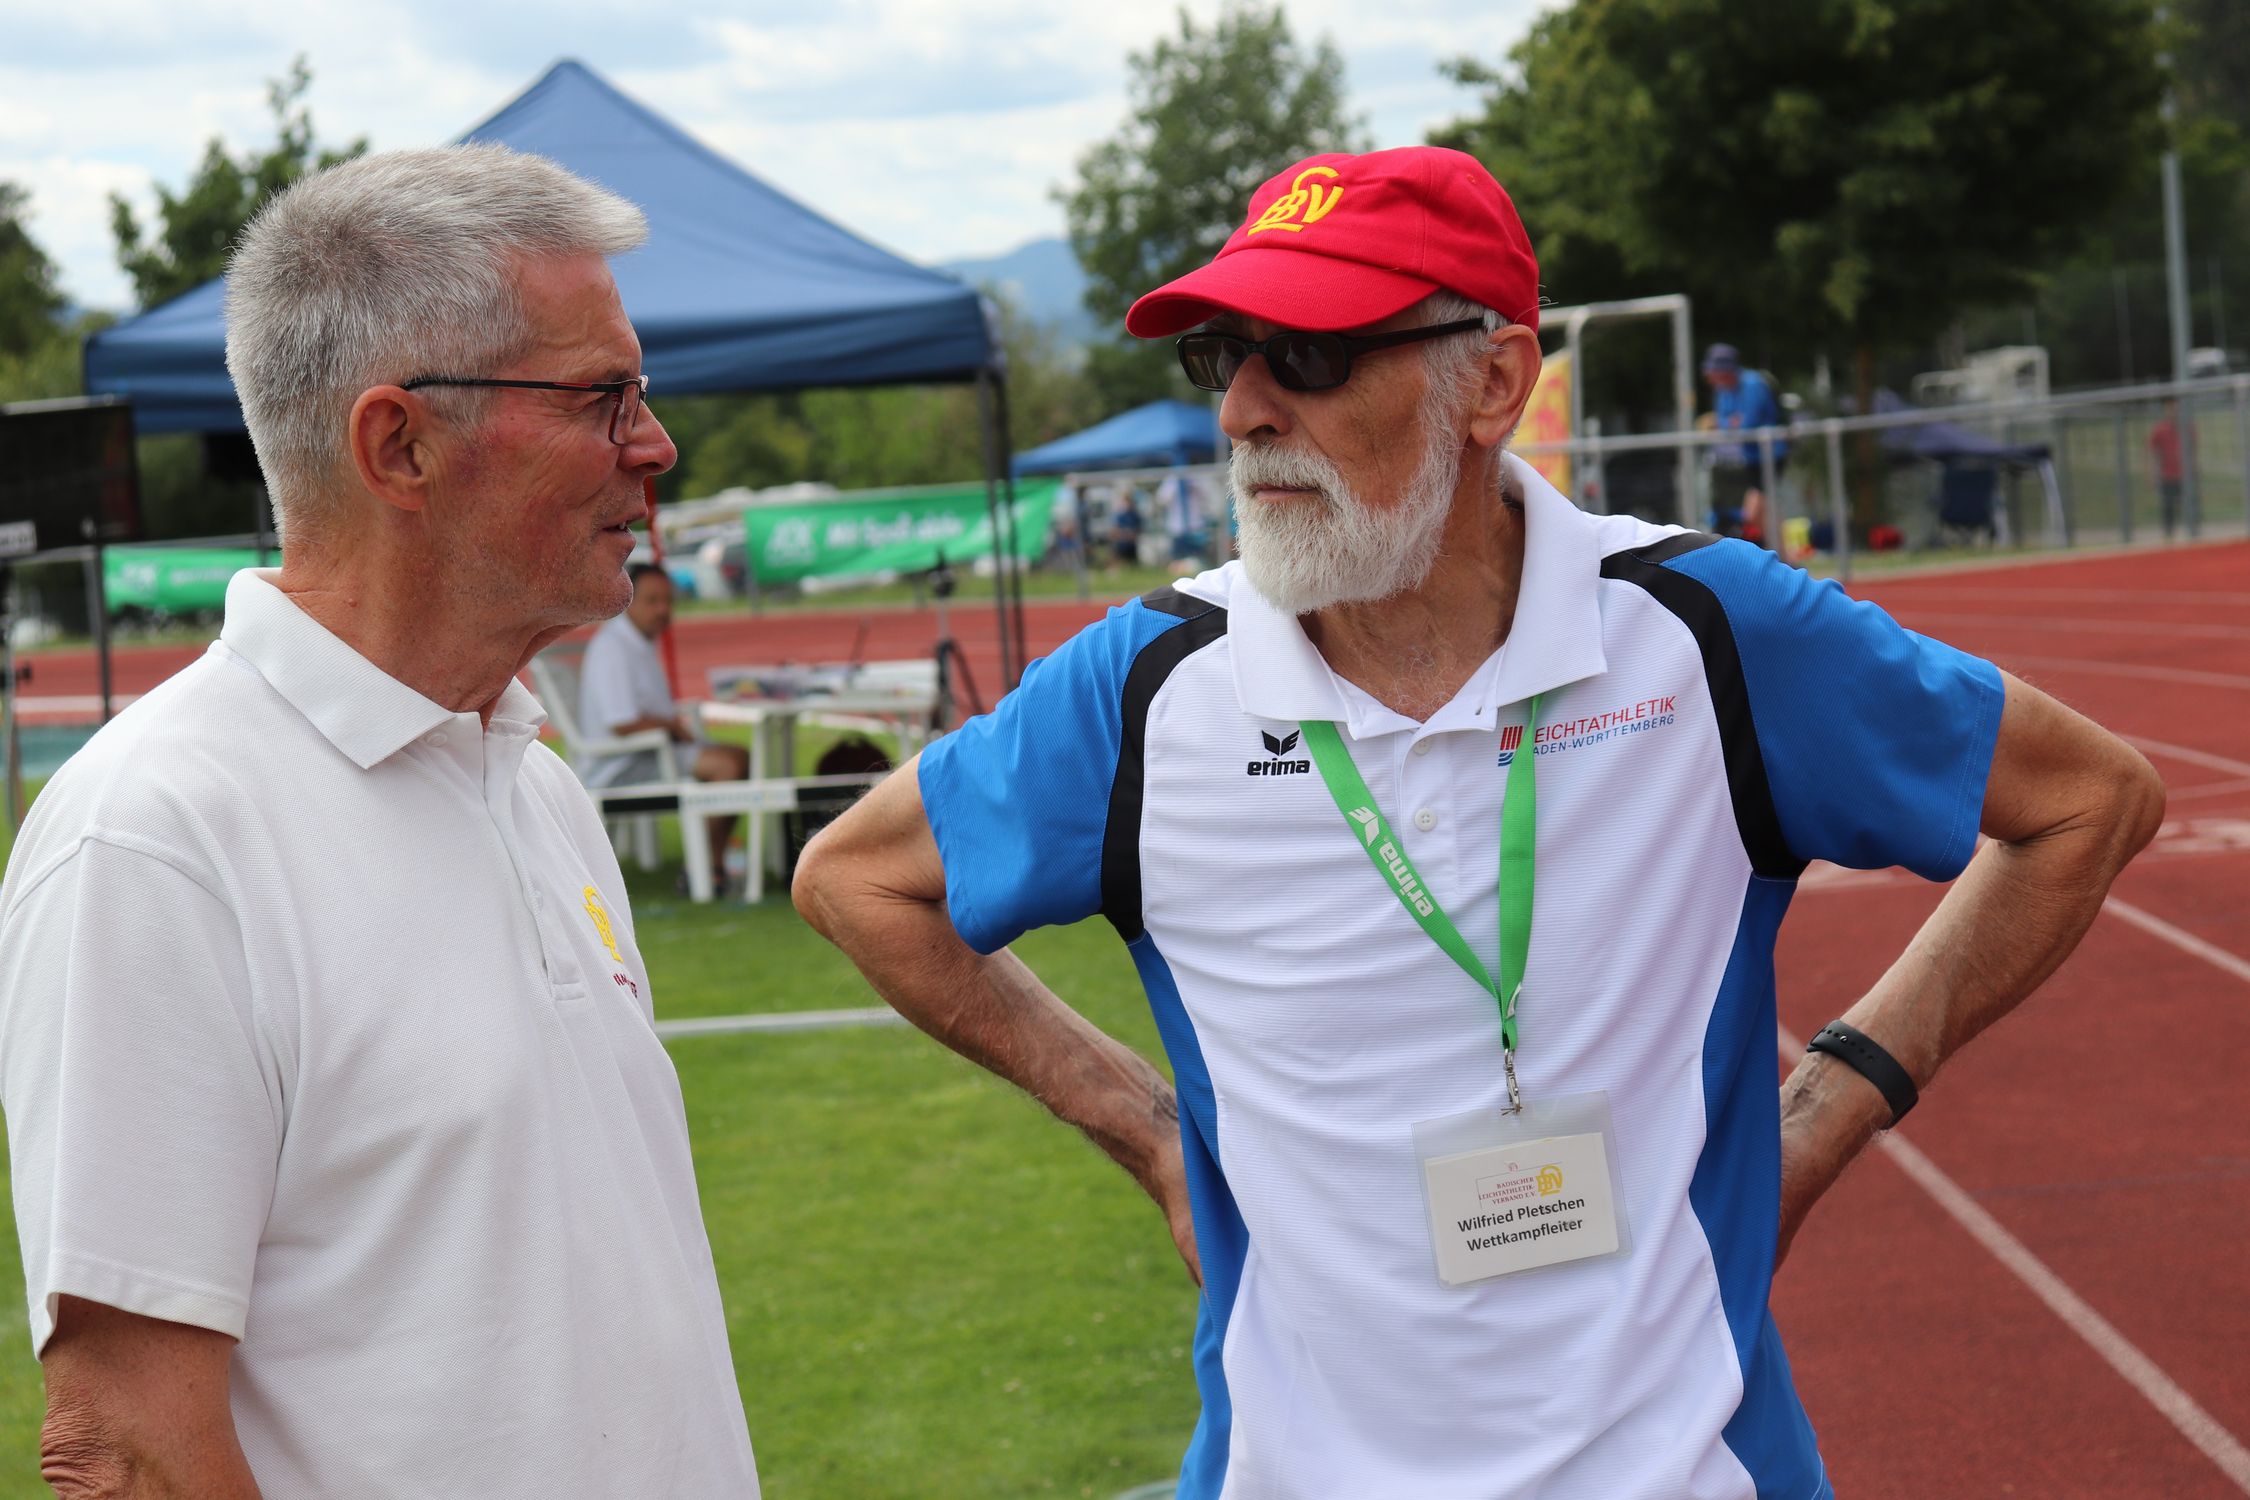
(1300,361)
(630,395)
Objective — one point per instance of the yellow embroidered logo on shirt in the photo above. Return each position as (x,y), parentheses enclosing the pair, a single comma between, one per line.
(1304,203)
(1550,1180)
(600,914)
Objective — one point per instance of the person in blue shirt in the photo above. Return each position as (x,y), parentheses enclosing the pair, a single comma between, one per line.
(1743,401)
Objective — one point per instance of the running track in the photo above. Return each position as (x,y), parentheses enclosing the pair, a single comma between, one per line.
(2041,1286)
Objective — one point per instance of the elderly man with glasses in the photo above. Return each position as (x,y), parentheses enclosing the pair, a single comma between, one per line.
(346,1158)
(1449,831)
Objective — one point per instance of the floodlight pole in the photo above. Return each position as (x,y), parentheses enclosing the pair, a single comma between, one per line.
(2176,292)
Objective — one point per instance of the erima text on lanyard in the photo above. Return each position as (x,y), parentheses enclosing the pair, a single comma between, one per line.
(1519,823)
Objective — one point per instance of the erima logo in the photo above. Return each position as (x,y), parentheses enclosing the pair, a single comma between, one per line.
(1279,746)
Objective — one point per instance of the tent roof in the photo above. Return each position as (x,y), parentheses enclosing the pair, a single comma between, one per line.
(1948,441)
(739,288)
(1162,432)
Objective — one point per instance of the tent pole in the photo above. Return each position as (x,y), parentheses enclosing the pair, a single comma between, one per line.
(988,419)
(1017,566)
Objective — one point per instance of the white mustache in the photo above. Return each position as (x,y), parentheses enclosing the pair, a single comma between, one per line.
(1283,468)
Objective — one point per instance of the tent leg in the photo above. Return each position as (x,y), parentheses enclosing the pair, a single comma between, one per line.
(1016,563)
(994,460)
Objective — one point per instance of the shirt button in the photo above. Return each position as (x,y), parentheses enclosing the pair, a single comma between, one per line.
(1425,820)
(1422,747)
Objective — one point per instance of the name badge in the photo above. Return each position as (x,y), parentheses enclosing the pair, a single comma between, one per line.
(1519,1206)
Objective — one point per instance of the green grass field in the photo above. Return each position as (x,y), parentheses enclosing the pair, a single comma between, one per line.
(933,1290)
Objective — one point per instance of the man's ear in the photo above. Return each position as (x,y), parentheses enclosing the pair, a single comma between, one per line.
(1511,369)
(390,443)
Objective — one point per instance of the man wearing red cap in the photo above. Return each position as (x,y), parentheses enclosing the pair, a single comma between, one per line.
(1450,830)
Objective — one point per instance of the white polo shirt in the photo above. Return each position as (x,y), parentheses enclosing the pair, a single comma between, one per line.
(620,679)
(322,1025)
(1710,720)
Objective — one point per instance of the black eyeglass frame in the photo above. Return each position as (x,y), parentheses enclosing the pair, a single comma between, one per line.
(620,426)
(1344,344)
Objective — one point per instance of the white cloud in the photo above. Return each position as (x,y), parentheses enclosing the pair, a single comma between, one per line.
(935,127)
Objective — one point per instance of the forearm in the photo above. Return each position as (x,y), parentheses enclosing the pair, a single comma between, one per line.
(137,1409)
(2011,919)
(995,1012)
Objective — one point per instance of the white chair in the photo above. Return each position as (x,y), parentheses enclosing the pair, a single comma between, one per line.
(554,681)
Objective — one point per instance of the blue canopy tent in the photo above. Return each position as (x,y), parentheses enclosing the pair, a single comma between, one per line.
(1970,464)
(1147,437)
(738,288)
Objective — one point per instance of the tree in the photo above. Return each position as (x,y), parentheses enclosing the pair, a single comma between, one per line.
(1821,173)
(29,302)
(200,224)
(1214,112)
(873,437)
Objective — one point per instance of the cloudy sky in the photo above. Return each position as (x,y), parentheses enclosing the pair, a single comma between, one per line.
(936,127)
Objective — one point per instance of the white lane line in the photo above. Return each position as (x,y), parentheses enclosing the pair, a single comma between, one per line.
(782,1021)
(2186,942)
(2097,626)
(2125,669)
(2208,789)
(2203,758)
(2140,1372)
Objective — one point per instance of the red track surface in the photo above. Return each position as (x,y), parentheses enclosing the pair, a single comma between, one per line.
(2106,1126)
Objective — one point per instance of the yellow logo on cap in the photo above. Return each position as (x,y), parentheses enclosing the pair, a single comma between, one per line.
(600,915)
(1304,202)
(1550,1180)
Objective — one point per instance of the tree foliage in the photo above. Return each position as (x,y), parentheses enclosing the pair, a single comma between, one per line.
(1214,112)
(875,436)
(198,226)
(1818,172)
(29,301)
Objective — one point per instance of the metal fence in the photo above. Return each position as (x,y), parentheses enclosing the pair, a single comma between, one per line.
(2099,483)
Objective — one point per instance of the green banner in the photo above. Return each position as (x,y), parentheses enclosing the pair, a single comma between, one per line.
(173,580)
(892,531)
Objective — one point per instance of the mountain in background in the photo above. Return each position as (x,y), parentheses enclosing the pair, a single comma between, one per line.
(1042,280)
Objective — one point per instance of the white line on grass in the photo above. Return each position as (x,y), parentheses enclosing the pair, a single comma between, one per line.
(2139,1371)
(782,1020)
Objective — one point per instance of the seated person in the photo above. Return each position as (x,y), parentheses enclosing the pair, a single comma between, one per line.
(622,690)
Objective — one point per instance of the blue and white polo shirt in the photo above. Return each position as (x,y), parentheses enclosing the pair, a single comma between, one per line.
(1712,721)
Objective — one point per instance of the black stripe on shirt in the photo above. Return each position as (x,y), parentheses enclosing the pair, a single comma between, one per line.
(1121,836)
(1698,608)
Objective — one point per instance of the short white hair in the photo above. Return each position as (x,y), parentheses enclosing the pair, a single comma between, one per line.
(387,268)
(1455,362)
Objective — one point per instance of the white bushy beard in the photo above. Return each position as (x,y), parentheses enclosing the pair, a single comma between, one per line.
(1312,551)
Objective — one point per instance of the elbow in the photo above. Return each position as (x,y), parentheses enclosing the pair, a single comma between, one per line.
(77,1459)
(811,887)
(2140,801)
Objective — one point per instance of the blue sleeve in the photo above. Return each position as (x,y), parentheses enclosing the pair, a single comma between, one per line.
(1018,799)
(1877,741)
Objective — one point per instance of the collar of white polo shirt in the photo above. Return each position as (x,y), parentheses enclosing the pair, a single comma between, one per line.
(361,709)
(1555,638)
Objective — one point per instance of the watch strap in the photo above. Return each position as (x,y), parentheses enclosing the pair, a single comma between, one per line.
(1856,1050)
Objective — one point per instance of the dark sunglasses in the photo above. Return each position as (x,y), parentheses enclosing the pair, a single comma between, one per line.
(629,395)
(1299,361)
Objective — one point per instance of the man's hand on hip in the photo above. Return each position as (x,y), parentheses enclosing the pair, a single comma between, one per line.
(2065,806)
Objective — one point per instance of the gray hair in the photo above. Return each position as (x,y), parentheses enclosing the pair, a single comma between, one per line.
(383,269)
(1454,362)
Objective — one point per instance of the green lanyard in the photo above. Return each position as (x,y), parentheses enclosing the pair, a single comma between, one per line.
(1519,825)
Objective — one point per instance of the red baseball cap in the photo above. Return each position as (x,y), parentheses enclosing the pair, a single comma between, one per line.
(1341,241)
